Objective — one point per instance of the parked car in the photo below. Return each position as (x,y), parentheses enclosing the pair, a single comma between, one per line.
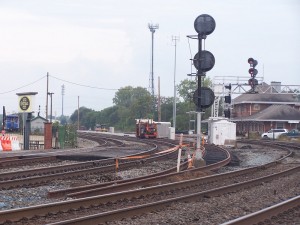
(292,134)
(274,133)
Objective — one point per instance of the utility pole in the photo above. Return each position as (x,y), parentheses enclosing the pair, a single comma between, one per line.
(158,104)
(50,93)
(78,114)
(62,99)
(47,91)
(175,39)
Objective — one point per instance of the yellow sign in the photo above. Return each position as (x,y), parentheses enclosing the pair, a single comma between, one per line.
(25,103)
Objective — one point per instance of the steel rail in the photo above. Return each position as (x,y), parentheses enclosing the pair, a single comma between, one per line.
(29,212)
(267,213)
(78,172)
(139,209)
(277,144)
(63,168)
(120,185)
(45,170)
(135,183)
(146,181)
(8,158)
(16,214)
(20,161)
(112,186)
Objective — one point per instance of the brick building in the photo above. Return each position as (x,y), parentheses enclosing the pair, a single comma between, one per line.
(267,109)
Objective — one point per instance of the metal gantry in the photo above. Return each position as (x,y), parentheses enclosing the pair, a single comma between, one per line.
(240,86)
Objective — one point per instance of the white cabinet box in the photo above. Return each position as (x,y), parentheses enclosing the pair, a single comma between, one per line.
(221,132)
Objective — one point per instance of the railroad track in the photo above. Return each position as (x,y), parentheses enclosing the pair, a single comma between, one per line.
(121,185)
(283,144)
(132,202)
(40,176)
(133,211)
(83,209)
(21,161)
(288,210)
(102,140)
(34,158)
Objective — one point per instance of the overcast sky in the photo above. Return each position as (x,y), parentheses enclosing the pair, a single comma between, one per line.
(94,47)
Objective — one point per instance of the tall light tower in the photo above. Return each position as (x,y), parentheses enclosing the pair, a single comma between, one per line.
(175,39)
(151,79)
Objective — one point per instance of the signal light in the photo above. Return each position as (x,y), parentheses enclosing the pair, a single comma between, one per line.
(227,113)
(228,99)
(252,82)
(228,86)
(252,62)
(253,72)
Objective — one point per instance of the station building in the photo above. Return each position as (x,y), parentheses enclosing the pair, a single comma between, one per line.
(37,124)
(270,108)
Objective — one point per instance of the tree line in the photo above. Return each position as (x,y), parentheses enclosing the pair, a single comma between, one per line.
(132,103)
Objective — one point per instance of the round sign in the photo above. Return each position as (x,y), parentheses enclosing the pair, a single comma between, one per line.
(204,24)
(207,97)
(207,61)
(24,103)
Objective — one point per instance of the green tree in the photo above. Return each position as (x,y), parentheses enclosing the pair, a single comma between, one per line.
(167,109)
(132,103)
(182,116)
(63,120)
(186,89)
(85,117)
(128,95)
(124,97)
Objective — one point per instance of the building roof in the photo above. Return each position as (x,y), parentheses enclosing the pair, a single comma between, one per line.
(274,113)
(267,98)
(39,117)
(268,94)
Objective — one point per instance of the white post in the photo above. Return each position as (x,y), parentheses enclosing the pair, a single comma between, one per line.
(179,154)
(199,135)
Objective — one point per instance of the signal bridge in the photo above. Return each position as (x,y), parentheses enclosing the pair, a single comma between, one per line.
(236,85)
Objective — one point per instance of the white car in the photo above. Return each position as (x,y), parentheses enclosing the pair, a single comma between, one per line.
(274,133)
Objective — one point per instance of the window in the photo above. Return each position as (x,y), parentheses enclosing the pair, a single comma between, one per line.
(279,125)
(256,107)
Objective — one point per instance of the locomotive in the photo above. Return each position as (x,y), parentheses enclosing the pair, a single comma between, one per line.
(11,122)
(101,127)
(146,128)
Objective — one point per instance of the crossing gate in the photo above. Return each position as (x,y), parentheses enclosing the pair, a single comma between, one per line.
(9,143)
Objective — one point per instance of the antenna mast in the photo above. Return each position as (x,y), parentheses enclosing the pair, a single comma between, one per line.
(151,80)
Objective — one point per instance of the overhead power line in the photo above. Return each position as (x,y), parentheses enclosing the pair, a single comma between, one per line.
(83,85)
(70,82)
(22,86)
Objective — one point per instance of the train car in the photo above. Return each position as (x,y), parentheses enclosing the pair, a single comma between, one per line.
(101,128)
(12,123)
(146,128)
